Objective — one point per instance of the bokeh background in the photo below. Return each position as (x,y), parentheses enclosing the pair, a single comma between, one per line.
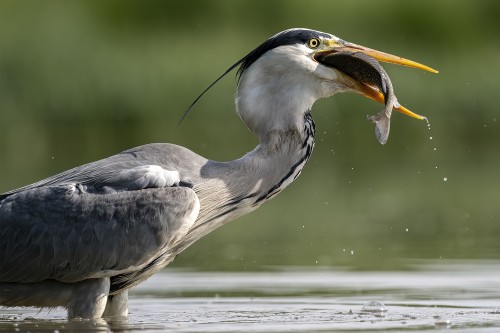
(82,80)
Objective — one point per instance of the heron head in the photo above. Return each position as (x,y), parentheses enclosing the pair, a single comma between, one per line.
(281,79)
(292,69)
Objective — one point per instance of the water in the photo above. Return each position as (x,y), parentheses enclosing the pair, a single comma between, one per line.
(461,296)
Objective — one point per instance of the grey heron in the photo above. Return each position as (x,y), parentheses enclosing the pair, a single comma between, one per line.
(82,238)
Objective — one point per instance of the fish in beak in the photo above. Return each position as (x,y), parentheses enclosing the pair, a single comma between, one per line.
(370,79)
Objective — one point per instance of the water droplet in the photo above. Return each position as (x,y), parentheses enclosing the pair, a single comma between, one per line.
(443,323)
(374,306)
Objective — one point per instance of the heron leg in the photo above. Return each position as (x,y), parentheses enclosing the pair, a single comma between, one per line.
(117,305)
(88,299)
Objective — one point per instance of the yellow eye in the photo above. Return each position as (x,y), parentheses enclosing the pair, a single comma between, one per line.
(313,43)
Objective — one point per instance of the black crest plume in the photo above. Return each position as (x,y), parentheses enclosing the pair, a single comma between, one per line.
(287,37)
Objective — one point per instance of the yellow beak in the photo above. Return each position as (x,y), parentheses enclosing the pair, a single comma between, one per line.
(380,56)
(366,90)
(377,96)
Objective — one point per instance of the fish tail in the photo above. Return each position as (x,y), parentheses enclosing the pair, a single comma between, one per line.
(382,126)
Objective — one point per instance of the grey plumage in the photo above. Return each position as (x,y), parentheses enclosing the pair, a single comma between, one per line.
(87,224)
(118,226)
(82,238)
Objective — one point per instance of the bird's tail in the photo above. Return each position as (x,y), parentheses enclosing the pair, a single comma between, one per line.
(40,294)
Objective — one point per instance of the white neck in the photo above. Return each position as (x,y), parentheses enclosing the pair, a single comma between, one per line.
(271,97)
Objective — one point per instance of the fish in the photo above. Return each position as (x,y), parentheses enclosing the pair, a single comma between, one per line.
(368,71)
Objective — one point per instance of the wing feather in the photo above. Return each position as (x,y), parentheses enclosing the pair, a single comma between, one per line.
(152,165)
(104,218)
(61,232)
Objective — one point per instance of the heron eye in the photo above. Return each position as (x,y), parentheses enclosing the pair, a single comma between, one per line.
(313,43)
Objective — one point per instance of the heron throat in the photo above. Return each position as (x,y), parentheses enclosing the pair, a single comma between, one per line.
(272,98)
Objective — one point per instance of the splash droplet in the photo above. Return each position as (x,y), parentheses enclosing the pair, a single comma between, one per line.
(374,307)
(443,323)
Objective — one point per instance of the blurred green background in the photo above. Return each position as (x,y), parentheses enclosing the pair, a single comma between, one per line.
(82,80)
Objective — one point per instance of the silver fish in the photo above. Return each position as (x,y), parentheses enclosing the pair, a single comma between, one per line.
(367,70)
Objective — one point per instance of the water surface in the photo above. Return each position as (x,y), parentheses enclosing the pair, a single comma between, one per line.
(435,296)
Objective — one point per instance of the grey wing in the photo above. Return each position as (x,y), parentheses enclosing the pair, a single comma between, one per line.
(100,219)
(151,165)
(65,233)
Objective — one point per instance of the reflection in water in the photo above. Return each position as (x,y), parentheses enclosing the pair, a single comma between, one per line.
(432,296)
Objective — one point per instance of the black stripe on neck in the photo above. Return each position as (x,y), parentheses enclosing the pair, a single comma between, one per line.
(308,145)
